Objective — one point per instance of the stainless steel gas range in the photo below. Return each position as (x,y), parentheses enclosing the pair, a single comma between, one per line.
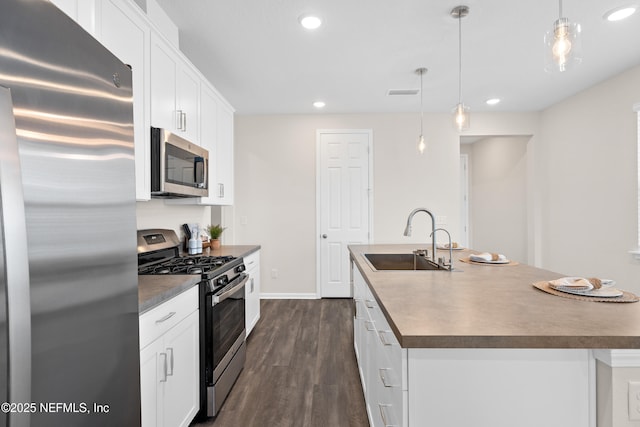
(222,310)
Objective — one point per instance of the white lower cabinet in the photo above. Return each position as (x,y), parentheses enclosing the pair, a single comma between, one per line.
(381,360)
(252,291)
(169,362)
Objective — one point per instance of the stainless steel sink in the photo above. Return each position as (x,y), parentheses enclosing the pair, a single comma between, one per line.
(401,262)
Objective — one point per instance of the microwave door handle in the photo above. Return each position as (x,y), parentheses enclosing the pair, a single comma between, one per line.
(219,298)
(199,171)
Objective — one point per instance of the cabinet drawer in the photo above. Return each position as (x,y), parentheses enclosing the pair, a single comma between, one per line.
(252,260)
(157,321)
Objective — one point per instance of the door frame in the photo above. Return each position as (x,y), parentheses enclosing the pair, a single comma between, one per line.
(319,133)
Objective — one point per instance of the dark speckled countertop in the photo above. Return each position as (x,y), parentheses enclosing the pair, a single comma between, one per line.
(154,290)
(484,306)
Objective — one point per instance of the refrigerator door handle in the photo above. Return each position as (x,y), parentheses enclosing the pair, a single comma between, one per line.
(16,262)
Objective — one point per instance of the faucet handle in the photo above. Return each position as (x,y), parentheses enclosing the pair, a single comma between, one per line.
(421,252)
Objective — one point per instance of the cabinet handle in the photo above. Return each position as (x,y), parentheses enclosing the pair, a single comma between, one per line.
(167,317)
(221,190)
(164,367)
(381,334)
(385,381)
(170,357)
(184,122)
(368,323)
(179,119)
(252,283)
(370,303)
(383,415)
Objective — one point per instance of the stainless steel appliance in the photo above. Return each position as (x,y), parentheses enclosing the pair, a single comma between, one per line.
(178,167)
(69,351)
(222,310)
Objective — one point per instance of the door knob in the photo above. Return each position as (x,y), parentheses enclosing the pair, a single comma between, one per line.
(324,236)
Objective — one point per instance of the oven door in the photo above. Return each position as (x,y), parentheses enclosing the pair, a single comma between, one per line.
(224,327)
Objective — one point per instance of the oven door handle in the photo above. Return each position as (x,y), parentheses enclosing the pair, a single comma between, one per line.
(223,296)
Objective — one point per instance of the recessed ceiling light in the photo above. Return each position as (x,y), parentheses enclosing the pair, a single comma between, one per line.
(492,101)
(620,13)
(319,104)
(310,22)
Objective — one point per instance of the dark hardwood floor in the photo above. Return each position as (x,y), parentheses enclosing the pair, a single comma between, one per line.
(301,369)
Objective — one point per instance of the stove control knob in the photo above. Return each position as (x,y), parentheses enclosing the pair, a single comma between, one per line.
(240,268)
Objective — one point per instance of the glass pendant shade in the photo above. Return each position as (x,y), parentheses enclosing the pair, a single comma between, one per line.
(421,144)
(462,117)
(562,46)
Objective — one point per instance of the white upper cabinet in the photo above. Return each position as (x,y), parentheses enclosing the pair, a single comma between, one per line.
(168,92)
(216,135)
(175,91)
(121,28)
(223,188)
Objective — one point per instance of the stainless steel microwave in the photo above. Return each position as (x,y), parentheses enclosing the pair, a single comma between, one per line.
(179,168)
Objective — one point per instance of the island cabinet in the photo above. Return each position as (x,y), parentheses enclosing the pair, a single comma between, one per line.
(169,361)
(382,362)
(410,384)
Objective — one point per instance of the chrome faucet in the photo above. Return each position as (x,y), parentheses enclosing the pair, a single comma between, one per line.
(407,230)
(441,261)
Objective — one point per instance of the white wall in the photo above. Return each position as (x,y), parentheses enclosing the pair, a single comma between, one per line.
(156,214)
(275,201)
(498,195)
(588,167)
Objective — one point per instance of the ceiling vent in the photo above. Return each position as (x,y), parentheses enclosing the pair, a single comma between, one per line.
(402,92)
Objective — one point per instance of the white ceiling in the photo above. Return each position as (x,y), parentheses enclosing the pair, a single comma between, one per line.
(261,59)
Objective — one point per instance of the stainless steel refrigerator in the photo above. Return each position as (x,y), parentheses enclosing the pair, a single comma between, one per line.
(69,352)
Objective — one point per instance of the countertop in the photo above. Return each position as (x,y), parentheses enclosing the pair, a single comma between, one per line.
(485,306)
(153,290)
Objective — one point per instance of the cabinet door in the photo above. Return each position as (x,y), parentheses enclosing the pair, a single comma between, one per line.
(182,392)
(122,30)
(163,85)
(188,94)
(152,379)
(224,165)
(252,291)
(209,136)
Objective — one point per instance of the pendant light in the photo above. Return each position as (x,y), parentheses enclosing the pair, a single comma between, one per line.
(421,144)
(461,114)
(562,44)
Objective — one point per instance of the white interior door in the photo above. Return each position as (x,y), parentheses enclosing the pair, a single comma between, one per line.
(344,205)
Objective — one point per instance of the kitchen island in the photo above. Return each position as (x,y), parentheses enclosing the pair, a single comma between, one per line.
(480,345)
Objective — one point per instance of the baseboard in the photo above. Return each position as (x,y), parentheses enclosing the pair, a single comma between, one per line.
(287,296)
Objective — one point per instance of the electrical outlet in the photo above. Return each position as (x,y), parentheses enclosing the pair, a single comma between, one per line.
(274,273)
(634,401)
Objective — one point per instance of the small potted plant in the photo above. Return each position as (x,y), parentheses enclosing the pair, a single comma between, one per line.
(214,232)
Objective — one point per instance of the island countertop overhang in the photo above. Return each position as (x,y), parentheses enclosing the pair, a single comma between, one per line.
(480,306)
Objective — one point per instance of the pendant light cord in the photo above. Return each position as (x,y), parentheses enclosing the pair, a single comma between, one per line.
(459,58)
(560,7)
(421,100)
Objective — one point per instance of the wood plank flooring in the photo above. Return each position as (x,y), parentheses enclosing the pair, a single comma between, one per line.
(301,369)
